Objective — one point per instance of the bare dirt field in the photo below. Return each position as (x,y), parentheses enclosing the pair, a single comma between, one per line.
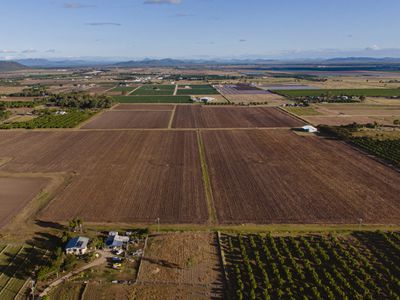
(276,176)
(143,107)
(19,99)
(118,176)
(271,99)
(231,117)
(190,267)
(96,291)
(342,114)
(11,89)
(129,119)
(343,120)
(15,193)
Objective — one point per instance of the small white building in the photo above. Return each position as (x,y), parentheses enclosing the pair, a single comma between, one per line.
(207,99)
(116,241)
(77,245)
(309,128)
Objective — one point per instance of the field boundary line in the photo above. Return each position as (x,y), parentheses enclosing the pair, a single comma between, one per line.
(110,89)
(223,96)
(95,116)
(31,210)
(8,266)
(130,93)
(368,154)
(22,264)
(82,296)
(175,90)
(172,117)
(212,214)
(4,249)
(223,265)
(292,115)
(5,160)
(137,281)
(23,287)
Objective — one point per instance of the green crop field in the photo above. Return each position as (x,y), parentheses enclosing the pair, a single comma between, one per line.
(152,99)
(70,120)
(16,266)
(155,90)
(360,265)
(197,90)
(340,92)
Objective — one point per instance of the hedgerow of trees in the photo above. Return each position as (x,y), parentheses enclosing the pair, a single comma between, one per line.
(80,100)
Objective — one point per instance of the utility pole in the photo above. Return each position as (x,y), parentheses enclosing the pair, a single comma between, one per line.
(158,225)
(33,289)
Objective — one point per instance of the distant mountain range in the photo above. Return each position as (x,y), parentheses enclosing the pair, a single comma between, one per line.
(169,62)
(6,66)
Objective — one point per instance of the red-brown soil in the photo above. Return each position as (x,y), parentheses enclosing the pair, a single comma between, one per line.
(118,176)
(143,107)
(276,176)
(15,193)
(186,263)
(231,117)
(129,119)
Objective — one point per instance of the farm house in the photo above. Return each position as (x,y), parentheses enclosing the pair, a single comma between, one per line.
(116,241)
(77,245)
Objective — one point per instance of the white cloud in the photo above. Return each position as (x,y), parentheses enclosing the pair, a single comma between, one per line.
(30,50)
(373,48)
(7,51)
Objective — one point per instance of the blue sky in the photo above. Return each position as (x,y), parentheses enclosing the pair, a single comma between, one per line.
(199,28)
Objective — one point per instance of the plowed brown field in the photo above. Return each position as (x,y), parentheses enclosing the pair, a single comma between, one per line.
(276,176)
(143,107)
(15,193)
(231,117)
(120,176)
(130,119)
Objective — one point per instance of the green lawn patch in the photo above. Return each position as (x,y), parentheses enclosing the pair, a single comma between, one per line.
(204,89)
(155,89)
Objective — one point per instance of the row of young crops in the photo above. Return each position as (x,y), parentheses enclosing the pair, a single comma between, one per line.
(69,120)
(362,265)
(387,149)
(16,266)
